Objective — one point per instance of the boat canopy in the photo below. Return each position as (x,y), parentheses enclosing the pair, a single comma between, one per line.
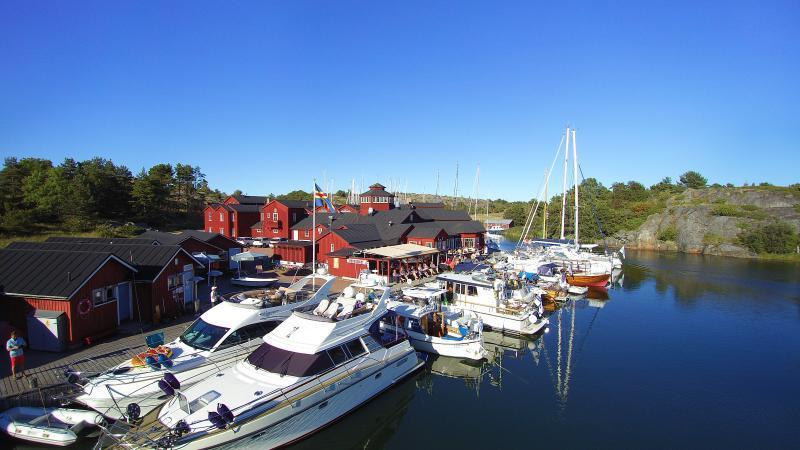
(549,269)
(402,251)
(549,242)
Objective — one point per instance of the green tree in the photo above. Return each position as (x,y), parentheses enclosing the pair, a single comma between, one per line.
(694,180)
(773,237)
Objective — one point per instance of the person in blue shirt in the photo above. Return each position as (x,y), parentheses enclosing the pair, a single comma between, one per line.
(14,348)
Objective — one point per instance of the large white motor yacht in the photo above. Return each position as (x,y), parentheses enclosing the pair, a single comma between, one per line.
(219,338)
(506,306)
(311,370)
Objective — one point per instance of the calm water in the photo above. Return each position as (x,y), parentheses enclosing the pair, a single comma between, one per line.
(689,351)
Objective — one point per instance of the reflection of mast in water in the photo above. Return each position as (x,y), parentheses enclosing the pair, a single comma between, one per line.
(562,374)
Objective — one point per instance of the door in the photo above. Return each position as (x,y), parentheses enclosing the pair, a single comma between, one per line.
(124,307)
(188,284)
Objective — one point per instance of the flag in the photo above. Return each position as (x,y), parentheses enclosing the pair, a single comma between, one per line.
(321,199)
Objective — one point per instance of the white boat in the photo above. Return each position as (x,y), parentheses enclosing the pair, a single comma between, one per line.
(254,280)
(310,371)
(433,330)
(507,306)
(50,426)
(219,338)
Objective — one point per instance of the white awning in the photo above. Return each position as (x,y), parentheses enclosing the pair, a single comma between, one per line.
(401,251)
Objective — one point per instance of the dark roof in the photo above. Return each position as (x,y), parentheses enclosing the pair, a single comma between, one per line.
(250,199)
(142,240)
(342,252)
(426,229)
(295,203)
(149,260)
(176,237)
(500,221)
(424,205)
(48,273)
(250,207)
(322,219)
(470,226)
(256,225)
(206,236)
(442,214)
(378,193)
(293,243)
(357,232)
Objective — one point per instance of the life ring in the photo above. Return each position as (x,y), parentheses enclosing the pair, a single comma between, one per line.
(84,307)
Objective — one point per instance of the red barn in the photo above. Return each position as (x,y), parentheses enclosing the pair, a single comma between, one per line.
(93,289)
(234,217)
(164,282)
(277,217)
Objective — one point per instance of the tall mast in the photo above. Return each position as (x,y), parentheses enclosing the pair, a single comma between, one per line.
(575,175)
(455,186)
(564,191)
(544,216)
(314,234)
(437,184)
(477,187)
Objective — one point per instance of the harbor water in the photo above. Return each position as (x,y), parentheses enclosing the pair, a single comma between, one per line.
(686,351)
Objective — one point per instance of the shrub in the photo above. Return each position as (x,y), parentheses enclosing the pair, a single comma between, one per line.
(668,234)
(713,239)
(720,201)
(17,221)
(748,211)
(774,237)
(77,224)
(692,179)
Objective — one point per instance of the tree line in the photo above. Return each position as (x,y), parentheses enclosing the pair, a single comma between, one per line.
(79,196)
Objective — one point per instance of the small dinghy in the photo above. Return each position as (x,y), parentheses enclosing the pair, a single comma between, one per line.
(51,426)
(577,290)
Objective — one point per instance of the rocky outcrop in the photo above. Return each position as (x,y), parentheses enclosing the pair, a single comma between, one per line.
(709,221)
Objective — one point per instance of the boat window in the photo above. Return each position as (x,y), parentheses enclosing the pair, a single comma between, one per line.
(355,348)
(459,288)
(202,335)
(201,402)
(472,290)
(284,362)
(371,343)
(338,355)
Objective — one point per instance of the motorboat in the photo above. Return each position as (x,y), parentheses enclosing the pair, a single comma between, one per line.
(254,280)
(454,333)
(222,336)
(49,426)
(503,305)
(309,371)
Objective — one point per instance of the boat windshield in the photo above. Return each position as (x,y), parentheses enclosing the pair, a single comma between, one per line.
(202,335)
(283,362)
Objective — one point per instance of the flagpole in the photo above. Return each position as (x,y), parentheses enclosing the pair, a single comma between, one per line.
(314,233)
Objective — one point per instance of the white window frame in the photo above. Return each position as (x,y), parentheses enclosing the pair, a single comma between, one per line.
(332,247)
(221,217)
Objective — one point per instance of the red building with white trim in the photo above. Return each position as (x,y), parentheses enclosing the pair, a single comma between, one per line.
(277,217)
(234,217)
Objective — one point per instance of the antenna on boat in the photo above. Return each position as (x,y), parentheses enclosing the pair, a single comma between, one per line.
(575,176)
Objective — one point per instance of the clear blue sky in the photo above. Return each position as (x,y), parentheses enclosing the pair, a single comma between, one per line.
(264,96)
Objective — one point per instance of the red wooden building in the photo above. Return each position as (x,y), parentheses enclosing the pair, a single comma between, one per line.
(277,217)
(234,217)
(164,284)
(93,289)
(376,199)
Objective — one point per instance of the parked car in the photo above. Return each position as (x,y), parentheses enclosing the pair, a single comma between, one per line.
(276,240)
(258,242)
(246,241)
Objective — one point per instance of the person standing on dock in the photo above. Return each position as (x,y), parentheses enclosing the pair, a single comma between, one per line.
(14,348)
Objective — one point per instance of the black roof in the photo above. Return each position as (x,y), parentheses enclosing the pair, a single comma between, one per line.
(51,273)
(442,214)
(250,199)
(471,226)
(100,240)
(249,207)
(357,232)
(322,219)
(423,205)
(293,243)
(176,237)
(295,203)
(149,260)
(342,252)
(426,229)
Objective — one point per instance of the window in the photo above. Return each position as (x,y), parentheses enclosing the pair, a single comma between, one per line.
(99,296)
(258,230)
(220,217)
(429,244)
(233,232)
(202,335)
(332,246)
(371,343)
(198,403)
(275,217)
(222,231)
(294,217)
(472,290)
(111,293)
(275,230)
(283,362)
(210,230)
(173,281)
(210,217)
(337,355)
(355,348)
(306,233)
(335,263)
(248,333)
(262,216)
(459,288)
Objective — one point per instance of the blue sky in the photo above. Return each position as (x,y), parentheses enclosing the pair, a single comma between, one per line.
(264,96)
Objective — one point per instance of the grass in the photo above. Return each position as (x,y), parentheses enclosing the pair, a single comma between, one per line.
(6,239)
(786,257)
(668,234)
(746,211)
(713,239)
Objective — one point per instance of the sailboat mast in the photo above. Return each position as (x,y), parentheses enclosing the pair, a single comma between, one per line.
(564,185)
(575,175)
(314,234)
(544,217)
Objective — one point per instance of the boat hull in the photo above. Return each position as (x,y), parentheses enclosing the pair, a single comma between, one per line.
(588,280)
(281,428)
(254,282)
(466,349)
